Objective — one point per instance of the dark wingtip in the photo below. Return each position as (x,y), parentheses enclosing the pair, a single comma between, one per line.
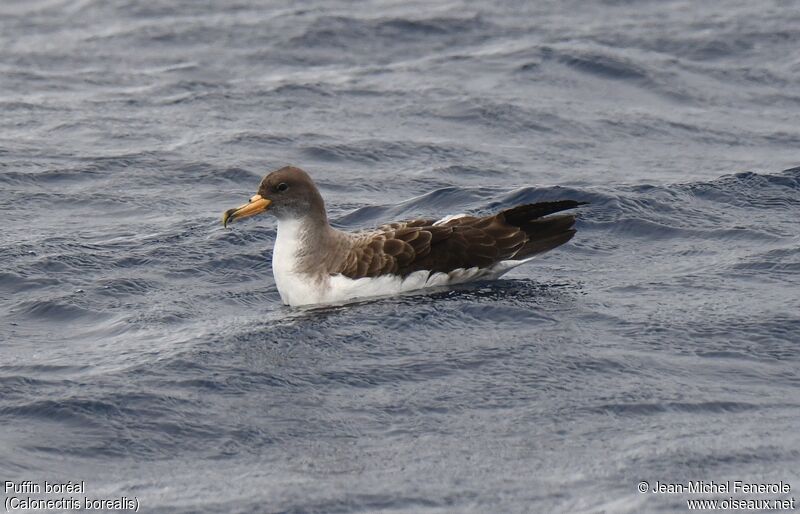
(572,203)
(524,213)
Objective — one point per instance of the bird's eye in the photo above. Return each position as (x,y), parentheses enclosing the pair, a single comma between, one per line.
(283,186)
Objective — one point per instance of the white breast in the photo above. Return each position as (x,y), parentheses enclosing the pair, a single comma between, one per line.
(295,288)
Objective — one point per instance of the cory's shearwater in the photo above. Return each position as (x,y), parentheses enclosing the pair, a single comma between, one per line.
(314,263)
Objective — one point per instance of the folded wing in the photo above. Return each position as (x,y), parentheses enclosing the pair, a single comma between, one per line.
(465,242)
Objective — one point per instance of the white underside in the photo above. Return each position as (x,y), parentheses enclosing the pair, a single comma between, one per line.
(301,289)
(296,289)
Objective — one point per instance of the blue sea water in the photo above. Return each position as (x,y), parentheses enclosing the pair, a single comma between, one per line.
(144,349)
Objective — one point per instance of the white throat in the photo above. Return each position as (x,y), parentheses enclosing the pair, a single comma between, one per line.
(293,286)
(287,245)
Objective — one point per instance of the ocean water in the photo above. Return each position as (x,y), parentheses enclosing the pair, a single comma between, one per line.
(144,349)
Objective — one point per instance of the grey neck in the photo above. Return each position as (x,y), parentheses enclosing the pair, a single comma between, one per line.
(315,245)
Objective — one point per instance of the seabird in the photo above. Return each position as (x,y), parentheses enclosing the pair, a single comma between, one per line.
(314,263)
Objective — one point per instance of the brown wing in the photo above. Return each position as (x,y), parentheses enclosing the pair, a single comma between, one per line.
(443,248)
(404,247)
(396,225)
(391,249)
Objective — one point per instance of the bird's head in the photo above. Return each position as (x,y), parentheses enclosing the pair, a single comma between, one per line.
(288,193)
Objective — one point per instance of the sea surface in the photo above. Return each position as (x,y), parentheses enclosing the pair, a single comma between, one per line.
(144,349)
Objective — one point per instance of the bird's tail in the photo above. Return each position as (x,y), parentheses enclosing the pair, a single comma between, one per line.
(544,232)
